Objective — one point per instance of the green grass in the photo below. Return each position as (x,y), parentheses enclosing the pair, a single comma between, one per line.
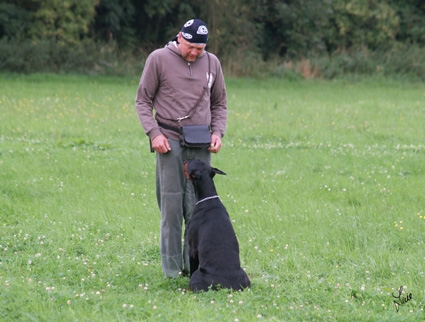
(325,188)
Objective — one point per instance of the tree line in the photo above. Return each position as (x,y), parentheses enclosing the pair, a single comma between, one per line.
(249,31)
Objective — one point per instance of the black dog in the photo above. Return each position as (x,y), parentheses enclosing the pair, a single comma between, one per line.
(213,247)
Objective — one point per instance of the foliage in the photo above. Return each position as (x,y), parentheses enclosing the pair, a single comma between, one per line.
(405,62)
(156,22)
(88,57)
(363,23)
(14,21)
(412,20)
(324,187)
(63,21)
(84,57)
(295,28)
(114,20)
(251,37)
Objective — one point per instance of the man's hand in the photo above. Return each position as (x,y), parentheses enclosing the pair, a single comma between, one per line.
(160,144)
(215,145)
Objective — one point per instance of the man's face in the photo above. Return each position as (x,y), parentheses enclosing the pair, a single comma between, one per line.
(190,52)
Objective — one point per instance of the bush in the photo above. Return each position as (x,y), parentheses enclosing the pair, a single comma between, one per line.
(85,57)
(406,62)
(89,57)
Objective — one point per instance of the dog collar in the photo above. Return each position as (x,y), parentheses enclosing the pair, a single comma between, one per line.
(207,198)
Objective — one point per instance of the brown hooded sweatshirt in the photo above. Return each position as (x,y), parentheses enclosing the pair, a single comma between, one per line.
(171,86)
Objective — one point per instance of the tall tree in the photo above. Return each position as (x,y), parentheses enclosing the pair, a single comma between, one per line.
(65,21)
(294,27)
(113,21)
(412,20)
(14,21)
(156,21)
(368,23)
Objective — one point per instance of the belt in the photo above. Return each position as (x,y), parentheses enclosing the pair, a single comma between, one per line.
(167,127)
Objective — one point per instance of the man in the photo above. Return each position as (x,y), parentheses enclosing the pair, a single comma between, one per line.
(184,85)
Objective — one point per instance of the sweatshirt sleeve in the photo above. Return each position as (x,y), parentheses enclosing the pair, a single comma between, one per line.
(218,102)
(148,85)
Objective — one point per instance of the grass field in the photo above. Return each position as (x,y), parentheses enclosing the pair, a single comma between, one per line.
(325,188)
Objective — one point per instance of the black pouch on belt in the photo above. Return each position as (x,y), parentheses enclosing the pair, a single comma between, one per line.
(195,136)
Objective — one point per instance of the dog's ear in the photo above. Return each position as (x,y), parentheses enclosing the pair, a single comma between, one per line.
(215,171)
(195,174)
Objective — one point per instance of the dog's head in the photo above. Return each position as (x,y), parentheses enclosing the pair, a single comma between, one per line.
(194,169)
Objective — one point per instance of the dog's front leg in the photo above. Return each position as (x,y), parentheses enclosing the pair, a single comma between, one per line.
(194,261)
